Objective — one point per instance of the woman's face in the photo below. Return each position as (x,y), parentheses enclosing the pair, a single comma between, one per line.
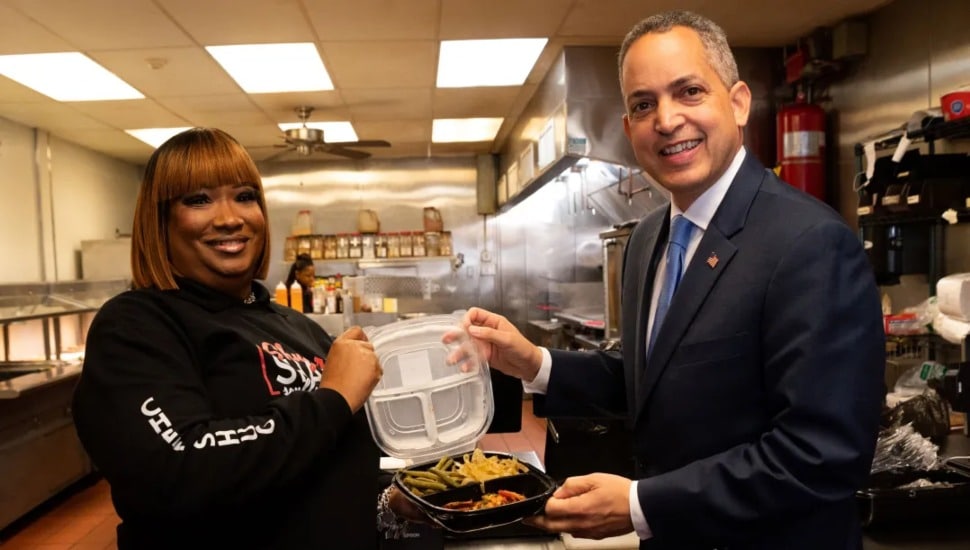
(215,237)
(306,276)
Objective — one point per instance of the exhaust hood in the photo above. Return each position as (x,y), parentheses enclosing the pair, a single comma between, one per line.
(574,123)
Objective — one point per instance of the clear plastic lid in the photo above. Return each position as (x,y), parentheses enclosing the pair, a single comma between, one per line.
(425,407)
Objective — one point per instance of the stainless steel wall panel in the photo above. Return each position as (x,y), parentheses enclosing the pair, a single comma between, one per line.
(398,190)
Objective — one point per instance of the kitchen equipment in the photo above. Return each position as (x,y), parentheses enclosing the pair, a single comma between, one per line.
(956,104)
(614,242)
(535,485)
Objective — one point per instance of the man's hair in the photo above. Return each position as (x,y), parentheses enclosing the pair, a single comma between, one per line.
(712,36)
(191,160)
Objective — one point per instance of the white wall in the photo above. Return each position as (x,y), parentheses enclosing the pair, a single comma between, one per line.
(93,197)
(48,207)
(19,225)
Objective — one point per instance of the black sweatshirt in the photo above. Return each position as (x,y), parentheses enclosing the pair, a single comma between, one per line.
(205,416)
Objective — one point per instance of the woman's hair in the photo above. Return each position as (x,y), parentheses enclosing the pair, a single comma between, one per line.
(302,262)
(191,160)
(712,36)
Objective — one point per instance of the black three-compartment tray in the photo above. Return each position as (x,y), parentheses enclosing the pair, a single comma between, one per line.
(891,498)
(534,484)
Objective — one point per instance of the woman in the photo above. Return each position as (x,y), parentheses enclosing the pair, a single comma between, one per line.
(217,416)
(302,271)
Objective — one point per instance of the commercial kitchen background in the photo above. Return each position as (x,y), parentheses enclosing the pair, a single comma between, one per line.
(532,255)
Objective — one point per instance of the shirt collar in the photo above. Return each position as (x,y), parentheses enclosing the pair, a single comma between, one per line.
(701,212)
(213,300)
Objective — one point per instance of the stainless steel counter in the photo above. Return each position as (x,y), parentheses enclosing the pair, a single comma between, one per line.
(15,386)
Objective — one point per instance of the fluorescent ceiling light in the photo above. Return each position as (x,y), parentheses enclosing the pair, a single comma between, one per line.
(155,136)
(269,68)
(333,132)
(454,130)
(503,62)
(66,76)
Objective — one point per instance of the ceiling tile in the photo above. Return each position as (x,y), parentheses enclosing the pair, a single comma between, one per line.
(136,113)
(281,107)
(388,104)
(105,24)
(374,19)
(395,131)
(20,34)
(49,114)
(220,22)
(474,102)
(168,72)
(14,92)
(115,142)
(461,19)
(381,64)
(217,110)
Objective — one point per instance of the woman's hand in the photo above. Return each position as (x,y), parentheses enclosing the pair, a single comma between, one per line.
(403,508)
(352,368)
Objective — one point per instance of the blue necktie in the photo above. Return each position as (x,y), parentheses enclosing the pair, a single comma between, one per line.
(680,231)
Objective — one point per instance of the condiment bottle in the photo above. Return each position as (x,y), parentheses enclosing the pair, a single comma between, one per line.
(282,297)
(296,296)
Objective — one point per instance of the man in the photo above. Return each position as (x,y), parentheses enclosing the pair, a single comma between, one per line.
(755,400)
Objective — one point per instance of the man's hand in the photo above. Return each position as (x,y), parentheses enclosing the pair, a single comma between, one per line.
(499,343)
(593,506)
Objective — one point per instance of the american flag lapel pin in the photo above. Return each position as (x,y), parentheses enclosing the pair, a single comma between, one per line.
(712,260)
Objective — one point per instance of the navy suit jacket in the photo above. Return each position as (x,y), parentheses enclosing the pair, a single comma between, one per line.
(756,418)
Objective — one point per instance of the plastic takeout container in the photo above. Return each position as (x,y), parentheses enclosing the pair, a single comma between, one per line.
(531,483)
(425,407)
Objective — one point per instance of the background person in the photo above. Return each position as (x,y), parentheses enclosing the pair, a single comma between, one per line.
(303,272)
(218,417)
(756,411)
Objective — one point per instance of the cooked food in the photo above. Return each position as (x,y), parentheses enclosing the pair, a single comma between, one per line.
(470,468)
(488,500)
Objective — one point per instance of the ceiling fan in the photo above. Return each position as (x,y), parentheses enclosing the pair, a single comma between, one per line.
(306,141)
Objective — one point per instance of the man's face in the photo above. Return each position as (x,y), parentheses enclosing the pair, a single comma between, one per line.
(215,237)
(683,122)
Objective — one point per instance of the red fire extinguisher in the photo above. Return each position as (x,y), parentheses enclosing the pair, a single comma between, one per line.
(801,146)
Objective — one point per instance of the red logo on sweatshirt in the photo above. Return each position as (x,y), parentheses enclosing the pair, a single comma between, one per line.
(286,372)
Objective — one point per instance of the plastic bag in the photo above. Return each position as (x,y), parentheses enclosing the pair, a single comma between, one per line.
(914,380)
(928,413)
(902,448)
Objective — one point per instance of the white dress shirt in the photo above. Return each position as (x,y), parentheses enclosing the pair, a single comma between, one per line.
(700,213)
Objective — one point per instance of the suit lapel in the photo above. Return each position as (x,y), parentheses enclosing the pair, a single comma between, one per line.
(657,227)
(713,255)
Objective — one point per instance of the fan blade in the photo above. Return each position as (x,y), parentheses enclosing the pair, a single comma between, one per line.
(365,143)
(342,151)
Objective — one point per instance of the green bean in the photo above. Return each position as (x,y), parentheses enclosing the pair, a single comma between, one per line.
(424,483)
(444,477)
(420,473)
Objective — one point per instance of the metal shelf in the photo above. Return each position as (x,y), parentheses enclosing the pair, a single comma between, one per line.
(934,128)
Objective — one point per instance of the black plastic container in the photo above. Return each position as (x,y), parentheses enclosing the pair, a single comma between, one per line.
(534,484)
(883,503)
